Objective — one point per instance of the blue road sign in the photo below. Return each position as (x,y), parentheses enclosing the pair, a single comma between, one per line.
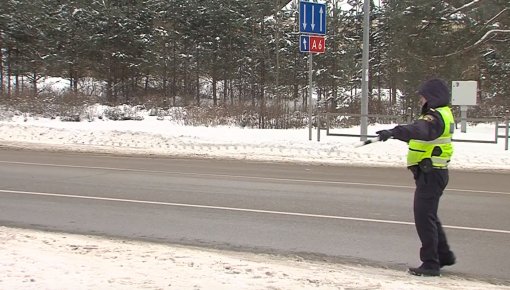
(304,43)
(312,18)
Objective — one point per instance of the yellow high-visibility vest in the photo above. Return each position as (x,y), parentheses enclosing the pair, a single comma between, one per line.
(439,150)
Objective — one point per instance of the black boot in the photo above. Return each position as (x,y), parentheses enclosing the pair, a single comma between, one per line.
(422,271)
(447,260)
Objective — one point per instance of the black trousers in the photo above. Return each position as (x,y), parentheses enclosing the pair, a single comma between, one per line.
(429,189)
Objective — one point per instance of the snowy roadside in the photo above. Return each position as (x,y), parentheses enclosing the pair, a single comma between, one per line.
(44,260)
(152,137)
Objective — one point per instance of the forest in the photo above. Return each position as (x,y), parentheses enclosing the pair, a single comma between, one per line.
(241,57)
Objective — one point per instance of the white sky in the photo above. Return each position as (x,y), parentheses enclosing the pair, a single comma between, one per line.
(41,260)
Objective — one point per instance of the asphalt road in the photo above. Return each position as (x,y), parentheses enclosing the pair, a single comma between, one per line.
(337,213)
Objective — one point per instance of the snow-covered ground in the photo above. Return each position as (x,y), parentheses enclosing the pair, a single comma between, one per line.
(152,136)
(43,260)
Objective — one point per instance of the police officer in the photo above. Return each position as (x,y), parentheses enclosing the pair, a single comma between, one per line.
(430,151)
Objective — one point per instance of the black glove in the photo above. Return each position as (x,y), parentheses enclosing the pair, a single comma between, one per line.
(384,135)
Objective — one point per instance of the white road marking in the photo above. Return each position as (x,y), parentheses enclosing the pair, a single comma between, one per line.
(243,210)
(249,177)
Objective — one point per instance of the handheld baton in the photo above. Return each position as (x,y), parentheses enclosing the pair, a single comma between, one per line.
(369,141)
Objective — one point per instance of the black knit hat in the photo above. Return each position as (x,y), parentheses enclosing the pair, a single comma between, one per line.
(435,89)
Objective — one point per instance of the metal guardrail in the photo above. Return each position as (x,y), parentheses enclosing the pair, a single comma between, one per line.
(497,126)
(486,120)
(500,123)
(506,126)
(398,119)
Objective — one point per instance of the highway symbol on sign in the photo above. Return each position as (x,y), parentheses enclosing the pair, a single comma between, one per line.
(312,18)
(311,43)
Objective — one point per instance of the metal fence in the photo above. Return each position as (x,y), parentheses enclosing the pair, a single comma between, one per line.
(506,126)
(324,122)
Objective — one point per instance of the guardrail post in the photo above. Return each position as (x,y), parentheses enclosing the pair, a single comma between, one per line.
(318,124)
(507,129)
(497,132)
(327,124)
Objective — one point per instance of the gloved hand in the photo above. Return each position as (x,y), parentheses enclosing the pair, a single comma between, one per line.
(384,135)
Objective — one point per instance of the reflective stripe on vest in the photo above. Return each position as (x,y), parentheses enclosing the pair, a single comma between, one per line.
(437,141)
(441,147)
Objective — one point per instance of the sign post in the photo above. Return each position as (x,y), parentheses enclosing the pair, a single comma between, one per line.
(365,70)
(464,94)
(312,25)
(310,92)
